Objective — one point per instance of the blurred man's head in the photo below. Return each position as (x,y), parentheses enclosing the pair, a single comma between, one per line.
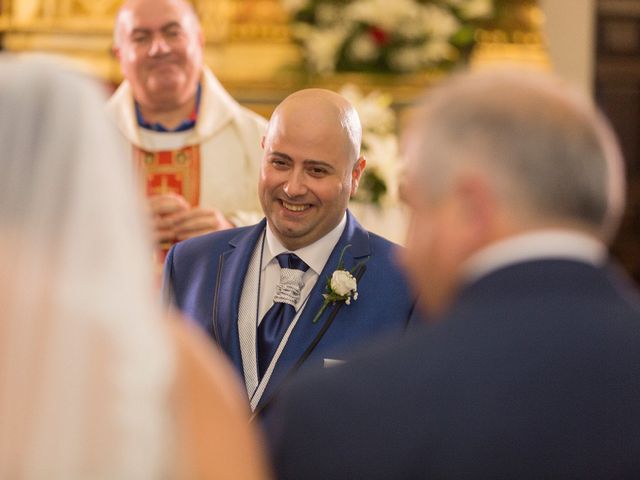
(159,44)
(498,153)
(311,165)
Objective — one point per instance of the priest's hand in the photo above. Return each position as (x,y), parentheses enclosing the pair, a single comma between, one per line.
(164,210)
(199,221)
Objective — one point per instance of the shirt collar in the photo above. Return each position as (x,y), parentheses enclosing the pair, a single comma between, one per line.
(543,244)
(314,255)
(187,124)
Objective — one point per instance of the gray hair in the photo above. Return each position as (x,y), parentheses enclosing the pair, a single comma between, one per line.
(117,29)
(548,151)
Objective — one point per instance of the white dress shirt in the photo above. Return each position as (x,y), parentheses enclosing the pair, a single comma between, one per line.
(538,245)
(264,270)
(314,255)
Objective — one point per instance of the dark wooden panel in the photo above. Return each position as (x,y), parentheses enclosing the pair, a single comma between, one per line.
(618,94)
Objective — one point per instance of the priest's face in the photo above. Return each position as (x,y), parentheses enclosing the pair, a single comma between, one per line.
(159,44)
(308,174)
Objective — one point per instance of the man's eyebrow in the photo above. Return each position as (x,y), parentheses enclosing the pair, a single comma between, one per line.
(170,25)
(140,30)
(318,163)
(284,156)
(165,27)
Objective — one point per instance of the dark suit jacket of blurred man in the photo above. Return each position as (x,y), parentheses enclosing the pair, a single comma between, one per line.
(534,373)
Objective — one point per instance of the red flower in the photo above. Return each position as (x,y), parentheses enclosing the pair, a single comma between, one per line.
(379,35)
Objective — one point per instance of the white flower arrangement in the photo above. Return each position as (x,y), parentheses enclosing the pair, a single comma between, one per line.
(384,35)
(379,185)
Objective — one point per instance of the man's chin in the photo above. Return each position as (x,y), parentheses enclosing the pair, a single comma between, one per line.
(166,99)
(289,233)
(291,229)
(166,86)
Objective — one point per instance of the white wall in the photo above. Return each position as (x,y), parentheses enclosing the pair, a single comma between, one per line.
(570,33)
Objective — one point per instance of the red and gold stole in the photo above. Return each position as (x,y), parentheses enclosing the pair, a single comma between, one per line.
(176,171)
(170,171)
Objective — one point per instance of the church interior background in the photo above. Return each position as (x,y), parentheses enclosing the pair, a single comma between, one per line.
(262,50)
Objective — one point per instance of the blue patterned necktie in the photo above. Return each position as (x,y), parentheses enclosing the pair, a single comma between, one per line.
(277,319)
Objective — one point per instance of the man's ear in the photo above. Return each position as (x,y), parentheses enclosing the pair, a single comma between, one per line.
(262,142)
(356,174)
(115,51)
(479,206)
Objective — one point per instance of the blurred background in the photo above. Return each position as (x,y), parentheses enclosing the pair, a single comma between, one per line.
(382,54)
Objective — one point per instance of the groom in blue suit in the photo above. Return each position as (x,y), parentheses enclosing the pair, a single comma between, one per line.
(273,312)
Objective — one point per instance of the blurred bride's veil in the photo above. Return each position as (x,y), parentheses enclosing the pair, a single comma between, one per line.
(85,366)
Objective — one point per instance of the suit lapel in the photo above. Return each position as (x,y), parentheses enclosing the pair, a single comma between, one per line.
(232,269)
(305,331)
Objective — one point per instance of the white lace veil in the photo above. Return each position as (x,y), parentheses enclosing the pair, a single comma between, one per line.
(85,365)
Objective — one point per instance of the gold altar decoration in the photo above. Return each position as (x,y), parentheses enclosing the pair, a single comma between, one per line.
(515,37)
(246,40)
(248,45)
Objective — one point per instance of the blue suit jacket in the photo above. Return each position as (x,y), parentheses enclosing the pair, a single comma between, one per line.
(534,373)
(204,277)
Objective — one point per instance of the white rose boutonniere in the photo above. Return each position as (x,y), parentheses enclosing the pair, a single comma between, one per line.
(341,287)
(344,284)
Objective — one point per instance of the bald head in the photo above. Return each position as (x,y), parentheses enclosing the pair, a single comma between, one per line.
(316,108)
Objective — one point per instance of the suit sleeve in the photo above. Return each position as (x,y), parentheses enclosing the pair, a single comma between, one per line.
(168,291)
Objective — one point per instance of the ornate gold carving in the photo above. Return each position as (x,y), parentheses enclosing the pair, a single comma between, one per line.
(516,39)
(215,18)
(25,11)
(248,44)
(97,7)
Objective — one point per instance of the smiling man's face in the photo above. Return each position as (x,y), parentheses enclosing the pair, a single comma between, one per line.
(160,51)
(309,172)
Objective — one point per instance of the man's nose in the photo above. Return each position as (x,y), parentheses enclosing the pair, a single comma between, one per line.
(158,46)
(295,185)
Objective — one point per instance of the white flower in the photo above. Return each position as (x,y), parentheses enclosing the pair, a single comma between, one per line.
(379,139)
(474,8)
(322,46)
(363,48)
(439,22)
(327,14)
(341,287)
(382,156)
(374,110)
(413,29)
(294,6)
(437,51)
(343,283)
(406,59)
(389,15)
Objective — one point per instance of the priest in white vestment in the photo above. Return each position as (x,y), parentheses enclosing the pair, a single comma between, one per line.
(197,150)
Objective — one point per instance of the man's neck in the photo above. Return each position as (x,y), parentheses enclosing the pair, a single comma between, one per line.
(543,243)
(315,254)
